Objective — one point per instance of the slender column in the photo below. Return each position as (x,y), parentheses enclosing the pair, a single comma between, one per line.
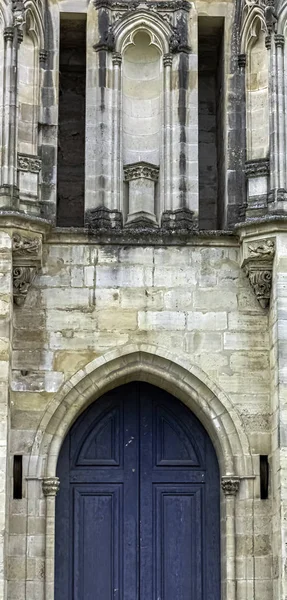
(167,176)
(8,41)
(50,488)
(279,47)
(116,138)
(270,44)
(230,487)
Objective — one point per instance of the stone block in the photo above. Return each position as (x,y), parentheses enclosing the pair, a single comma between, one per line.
(170,320)
(121,276)
(211,321)
(246,341)
(118,320)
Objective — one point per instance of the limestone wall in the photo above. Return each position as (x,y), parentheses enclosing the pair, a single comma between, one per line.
(194,302)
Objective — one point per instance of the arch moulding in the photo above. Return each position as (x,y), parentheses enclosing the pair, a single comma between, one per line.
(176,375)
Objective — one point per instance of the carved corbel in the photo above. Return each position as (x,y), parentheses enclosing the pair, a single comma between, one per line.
(258,266)
(27,254)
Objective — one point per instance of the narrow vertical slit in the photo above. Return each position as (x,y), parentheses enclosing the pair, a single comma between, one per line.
(264,477)
(17,477)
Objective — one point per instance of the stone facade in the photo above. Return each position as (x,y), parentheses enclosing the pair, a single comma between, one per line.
(157,280)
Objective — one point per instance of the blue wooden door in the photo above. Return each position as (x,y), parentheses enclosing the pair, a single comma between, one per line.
(137,515)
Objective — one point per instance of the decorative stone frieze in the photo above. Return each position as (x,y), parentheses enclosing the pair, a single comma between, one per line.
(258,266)
(26,262)
(30,163)
(50,486)
(257,168)
(230,485)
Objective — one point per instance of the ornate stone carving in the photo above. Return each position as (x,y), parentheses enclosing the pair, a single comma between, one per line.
(266,248)
(270,16)
(26,261)
(18,17)
(23,277)
(258,266)
(50,486)
(257,168)
(30,163)
(23,246)
(141,170)
(107,41)
(230,485)
(166,11)
(176,43)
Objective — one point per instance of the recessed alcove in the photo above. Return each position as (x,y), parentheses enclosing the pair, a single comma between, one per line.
(142,115)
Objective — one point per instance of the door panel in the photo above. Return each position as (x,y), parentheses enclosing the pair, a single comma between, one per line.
(137,515)
(97,566)
(178,565)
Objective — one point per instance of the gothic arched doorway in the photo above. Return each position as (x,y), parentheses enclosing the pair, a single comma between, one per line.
(137,515)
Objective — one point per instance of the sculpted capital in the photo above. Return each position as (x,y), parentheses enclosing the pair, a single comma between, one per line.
(230,485)
(50,486)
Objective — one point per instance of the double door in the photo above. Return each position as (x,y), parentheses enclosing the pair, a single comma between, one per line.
(137,515)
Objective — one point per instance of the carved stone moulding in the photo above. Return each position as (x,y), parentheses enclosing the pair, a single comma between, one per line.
(27,162)
(172,5)
(27,253)
(167,11)
(230,485)
(50,486)
(258,266)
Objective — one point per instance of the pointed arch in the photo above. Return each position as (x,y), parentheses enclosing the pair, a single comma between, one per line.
(142,20)
(147,363)
(253,18)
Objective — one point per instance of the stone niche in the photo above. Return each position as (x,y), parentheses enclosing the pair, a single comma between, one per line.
(144,167)
(142,123)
